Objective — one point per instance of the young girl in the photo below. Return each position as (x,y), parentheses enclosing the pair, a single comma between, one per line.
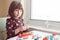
(14,24)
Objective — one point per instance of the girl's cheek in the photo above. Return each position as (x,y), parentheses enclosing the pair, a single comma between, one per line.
(15,13)
(20,13)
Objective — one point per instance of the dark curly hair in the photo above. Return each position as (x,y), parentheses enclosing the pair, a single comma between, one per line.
(15,5)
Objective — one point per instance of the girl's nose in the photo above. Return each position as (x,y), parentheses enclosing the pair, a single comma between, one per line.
(18,12)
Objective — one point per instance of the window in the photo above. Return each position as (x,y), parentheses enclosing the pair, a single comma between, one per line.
(45,10)
(43,14)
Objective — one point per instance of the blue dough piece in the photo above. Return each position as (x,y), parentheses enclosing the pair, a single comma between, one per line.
(20,39)
(36,39)
(50,37)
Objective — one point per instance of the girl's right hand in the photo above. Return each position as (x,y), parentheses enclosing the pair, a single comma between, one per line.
(18,30)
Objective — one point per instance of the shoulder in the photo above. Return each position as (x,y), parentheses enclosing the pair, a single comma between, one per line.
(22,19)
(8,19)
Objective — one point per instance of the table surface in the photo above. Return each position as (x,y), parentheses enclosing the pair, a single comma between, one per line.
(35,31)
(14,38)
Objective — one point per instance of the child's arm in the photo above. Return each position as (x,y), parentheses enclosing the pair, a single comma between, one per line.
(21,29)
(24,26)
(9,29)
(18,30)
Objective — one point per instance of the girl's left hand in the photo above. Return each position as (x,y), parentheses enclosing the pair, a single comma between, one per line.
(25,28)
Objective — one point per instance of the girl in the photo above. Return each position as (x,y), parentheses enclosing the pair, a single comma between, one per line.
(14,24)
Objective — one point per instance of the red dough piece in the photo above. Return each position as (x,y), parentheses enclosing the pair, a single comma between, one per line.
(23,35)
(54,34)
(45,38)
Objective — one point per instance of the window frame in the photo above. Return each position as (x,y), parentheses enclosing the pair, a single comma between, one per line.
(39,23)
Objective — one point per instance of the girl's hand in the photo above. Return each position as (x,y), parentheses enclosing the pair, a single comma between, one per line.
(18,30)
(25,28)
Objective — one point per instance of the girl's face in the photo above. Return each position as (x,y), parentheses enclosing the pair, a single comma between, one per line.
(17,13)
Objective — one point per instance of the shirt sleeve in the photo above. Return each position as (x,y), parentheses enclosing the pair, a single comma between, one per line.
(9,28)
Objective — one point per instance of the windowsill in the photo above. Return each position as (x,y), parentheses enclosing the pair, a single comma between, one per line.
(45,30)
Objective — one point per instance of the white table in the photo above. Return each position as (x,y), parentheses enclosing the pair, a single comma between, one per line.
(41,34)
(13,38)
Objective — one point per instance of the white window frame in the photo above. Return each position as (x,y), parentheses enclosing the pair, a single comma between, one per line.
(53,25)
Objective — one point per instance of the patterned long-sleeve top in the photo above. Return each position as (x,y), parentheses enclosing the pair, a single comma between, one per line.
(11,25)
